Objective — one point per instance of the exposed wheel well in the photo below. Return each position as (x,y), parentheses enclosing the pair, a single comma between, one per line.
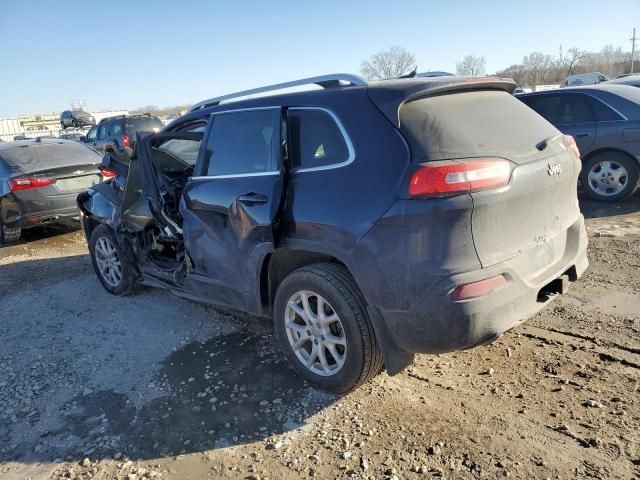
(282,262)
(89,226)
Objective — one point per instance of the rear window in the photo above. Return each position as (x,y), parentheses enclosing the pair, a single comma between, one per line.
(40,156)
(143,124)
(472,124)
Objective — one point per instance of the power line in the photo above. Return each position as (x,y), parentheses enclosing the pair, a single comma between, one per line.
(633,48)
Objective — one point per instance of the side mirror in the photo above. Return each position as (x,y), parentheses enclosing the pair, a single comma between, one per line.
(83,138)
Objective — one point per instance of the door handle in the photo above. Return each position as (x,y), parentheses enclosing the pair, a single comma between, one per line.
(579,135)
(253,198)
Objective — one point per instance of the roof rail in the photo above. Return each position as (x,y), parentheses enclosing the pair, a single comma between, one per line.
(325,81)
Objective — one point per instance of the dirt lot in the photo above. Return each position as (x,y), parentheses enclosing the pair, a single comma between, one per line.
(151,386)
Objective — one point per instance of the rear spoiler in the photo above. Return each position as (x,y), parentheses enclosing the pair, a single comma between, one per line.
(389,96)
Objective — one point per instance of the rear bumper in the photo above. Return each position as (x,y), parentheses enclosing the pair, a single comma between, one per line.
(439,324)
(17,213)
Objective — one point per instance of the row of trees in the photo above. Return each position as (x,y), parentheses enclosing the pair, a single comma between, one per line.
(538,68)
(535,69)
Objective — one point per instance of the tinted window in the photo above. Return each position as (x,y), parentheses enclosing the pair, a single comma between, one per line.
(185,150)
(143,124)
(575,109)
(548,106)
(603,112)
(103,131)
(472,124)
(116,129)
(92,134)
(315,139)
(562,108)
(242,142)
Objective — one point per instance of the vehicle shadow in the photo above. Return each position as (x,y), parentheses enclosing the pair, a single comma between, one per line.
(45,232)
(103,377)
(595,209)
(229,390)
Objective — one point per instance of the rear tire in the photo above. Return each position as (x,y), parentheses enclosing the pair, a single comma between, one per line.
(609,176)
(9,235)
(111,264)
(320,309)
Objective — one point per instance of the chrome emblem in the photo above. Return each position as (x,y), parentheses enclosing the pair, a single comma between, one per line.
(554,169)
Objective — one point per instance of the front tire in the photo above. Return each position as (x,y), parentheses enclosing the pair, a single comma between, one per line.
(609,176)
(111,264)
(323,328)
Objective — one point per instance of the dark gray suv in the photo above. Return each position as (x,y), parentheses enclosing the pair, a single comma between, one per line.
(369,221)
(604,119)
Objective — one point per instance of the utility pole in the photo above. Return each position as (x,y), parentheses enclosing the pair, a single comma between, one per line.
(633,48)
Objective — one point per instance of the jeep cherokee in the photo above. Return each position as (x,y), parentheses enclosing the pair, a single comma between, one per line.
(369,221)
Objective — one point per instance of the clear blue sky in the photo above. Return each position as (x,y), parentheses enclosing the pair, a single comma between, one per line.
(127,54)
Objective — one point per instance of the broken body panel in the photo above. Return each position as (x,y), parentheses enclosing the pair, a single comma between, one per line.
(229,239)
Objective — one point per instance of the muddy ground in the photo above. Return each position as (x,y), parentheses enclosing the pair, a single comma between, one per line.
(152,386)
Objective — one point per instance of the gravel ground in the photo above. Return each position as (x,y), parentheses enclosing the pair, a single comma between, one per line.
(152,386)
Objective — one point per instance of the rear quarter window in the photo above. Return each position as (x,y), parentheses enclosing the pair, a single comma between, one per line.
(315,139)
(472,124)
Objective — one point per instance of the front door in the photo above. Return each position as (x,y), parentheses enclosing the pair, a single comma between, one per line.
(231,203)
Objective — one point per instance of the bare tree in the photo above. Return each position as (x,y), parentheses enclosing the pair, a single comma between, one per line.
(571,61)
(387,64)
(471,65)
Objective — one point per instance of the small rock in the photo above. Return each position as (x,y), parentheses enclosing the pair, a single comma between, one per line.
(86,462)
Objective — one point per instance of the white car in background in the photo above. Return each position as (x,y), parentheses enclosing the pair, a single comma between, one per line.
(585,79)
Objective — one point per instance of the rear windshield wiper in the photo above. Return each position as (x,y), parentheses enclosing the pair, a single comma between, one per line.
(547,141)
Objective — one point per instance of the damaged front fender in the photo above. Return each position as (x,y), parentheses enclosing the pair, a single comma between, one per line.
(97,205)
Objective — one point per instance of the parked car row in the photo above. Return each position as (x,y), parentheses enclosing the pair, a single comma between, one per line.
(118,134)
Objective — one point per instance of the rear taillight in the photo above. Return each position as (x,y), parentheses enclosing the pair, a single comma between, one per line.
(27,183)
(106,173)
(126,142)
(453,177)
(478,289)
(571,145)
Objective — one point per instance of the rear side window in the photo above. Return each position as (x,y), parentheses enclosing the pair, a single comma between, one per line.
(604,113)
(574,108)
(242,143)
(103,131)
(116,129)
(315,139)
(472,124)
(143,124)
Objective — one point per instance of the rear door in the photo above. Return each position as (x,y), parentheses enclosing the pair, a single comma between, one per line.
(230,205)
(571,113)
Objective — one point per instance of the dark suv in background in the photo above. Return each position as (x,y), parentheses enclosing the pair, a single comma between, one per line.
(604,119)
(76,119)
(118,134)
(369,221)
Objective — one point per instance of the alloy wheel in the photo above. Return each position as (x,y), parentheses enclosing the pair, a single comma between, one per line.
(108,261)
(315,333)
